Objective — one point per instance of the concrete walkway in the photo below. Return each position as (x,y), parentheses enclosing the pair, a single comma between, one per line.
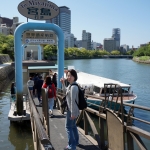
(58,136)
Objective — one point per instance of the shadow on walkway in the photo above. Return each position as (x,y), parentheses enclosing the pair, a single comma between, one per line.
(87,147)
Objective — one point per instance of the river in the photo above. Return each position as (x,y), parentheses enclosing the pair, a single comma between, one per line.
(15,137)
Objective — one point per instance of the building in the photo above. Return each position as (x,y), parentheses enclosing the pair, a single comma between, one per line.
(8,26)
(86,38)
(141,45)
(81,44)
(96,46)
(7,21)
(78,43)
(63,20)
(109,44)
(116,36)
(69,40)
(124,48)
(5,30)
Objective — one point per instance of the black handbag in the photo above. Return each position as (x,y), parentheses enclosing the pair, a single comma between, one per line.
(64,102)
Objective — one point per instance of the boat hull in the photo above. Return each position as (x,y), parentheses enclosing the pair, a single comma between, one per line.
(95,103)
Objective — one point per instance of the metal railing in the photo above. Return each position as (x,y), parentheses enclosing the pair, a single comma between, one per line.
(121,133)
(40,129)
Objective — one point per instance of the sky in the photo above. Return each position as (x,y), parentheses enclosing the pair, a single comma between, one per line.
(99,17)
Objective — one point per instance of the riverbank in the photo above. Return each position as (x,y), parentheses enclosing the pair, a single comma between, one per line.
(74,57)
(7,72)
(142,59)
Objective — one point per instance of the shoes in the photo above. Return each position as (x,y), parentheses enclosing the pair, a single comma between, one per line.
(68,148)
(40,103)
(51,116)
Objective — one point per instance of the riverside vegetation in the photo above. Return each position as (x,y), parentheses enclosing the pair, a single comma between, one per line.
(50,51)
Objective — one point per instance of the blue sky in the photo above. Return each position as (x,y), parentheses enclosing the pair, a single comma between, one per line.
(99,17)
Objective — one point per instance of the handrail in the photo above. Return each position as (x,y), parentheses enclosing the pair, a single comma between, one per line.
(41,131)
(137,106)
(131,130)
(42,135)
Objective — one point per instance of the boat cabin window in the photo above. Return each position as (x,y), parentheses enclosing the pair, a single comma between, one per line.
(125,90)
(109,90)
(96,89)
(112,90)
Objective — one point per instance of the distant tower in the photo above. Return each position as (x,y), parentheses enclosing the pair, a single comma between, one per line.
(116,36)
(63,20)
(86,36)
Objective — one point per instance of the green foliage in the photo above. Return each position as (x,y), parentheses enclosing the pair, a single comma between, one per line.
(50,51)
(130,52)
(144,58)
(115,52)
(74,52)
(7,45)
(142,51)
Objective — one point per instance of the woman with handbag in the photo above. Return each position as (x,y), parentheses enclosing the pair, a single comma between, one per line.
(73,111)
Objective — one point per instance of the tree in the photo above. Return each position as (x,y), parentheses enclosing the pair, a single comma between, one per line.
(7,45)
(115,52)
(130,52)
(50,51)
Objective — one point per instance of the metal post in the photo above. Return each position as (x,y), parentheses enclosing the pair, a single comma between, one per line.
(39,52)
(102,134)
(130,144)
(85,124)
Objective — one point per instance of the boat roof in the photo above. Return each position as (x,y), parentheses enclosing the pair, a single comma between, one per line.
(43,67)
(89,80)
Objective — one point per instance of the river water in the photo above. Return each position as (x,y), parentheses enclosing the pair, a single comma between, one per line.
(15,137)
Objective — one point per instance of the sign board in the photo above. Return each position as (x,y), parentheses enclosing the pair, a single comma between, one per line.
(38,9)
(40,41)
(39,37)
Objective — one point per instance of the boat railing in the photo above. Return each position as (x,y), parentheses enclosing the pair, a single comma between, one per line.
(117,128)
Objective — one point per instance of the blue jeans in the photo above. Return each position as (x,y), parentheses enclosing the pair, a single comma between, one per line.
(72,131)
(51,103)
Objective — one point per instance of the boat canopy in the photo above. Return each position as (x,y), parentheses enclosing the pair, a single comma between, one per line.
(43,67)
(89,80)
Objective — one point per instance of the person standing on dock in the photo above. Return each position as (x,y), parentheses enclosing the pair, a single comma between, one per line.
(35,79)
(54,79)
(73,110)
(51,93)
(39,86)
(30,85)
(13,91)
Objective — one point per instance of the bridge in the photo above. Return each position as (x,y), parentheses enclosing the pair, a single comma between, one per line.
(106,127)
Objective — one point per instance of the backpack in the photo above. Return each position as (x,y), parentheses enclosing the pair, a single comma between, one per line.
(82,104)
(50,91)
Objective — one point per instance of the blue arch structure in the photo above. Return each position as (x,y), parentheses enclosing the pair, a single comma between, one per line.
(18,56)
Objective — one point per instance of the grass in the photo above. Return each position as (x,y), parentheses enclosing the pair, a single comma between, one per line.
(142,59)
